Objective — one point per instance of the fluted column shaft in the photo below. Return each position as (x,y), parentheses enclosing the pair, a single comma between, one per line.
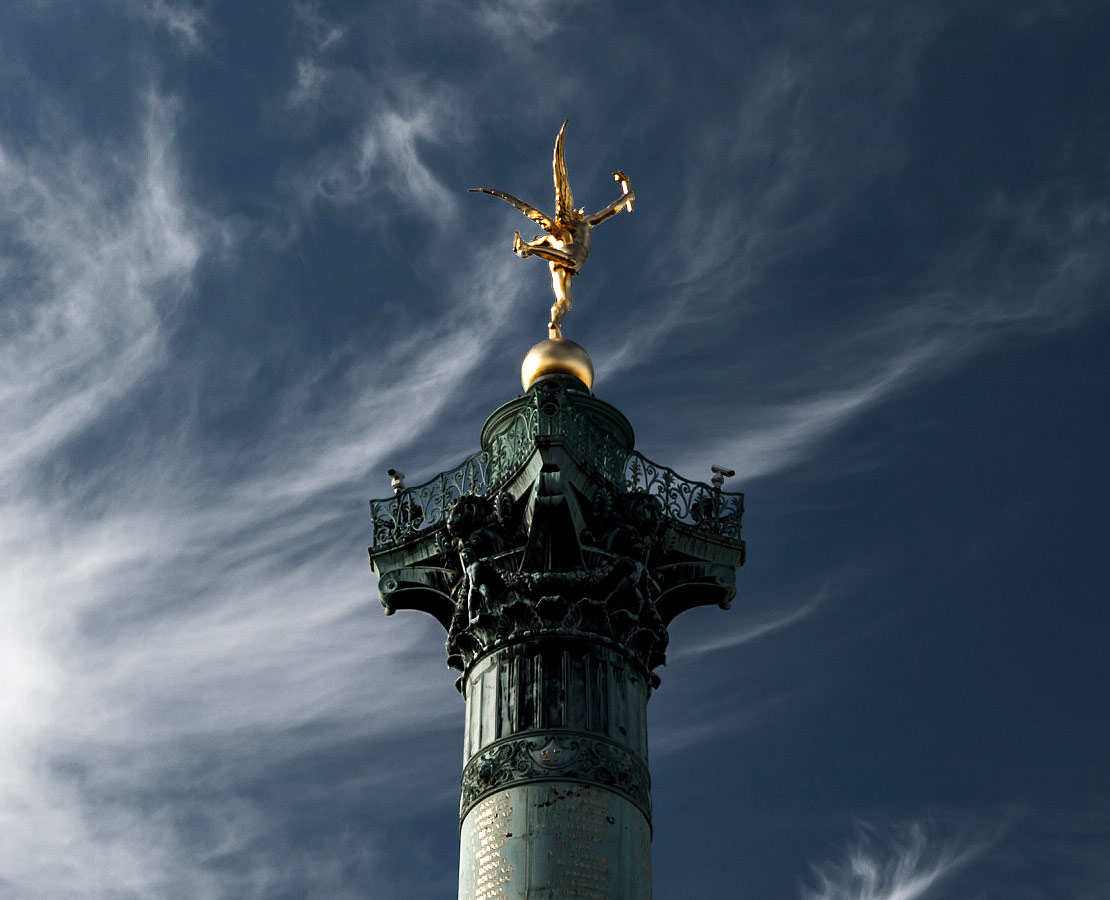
(556,793)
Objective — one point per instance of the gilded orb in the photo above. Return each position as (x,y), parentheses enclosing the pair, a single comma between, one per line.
(557,356)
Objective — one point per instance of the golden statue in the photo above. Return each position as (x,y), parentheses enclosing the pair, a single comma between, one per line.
(567,242)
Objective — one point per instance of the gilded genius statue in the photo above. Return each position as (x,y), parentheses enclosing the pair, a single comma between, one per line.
(567,242)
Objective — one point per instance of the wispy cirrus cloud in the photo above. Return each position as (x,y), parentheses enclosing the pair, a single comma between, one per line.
(844,376)
(320,36)
(752,628)
(1033,267)
(380,163)
(99,247)
(322,32)
(515,24)
(907,863)
(263,636)
(183,20)
(779,178)
(198,606)
(194,679)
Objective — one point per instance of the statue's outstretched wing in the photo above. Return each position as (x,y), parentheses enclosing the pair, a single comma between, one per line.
(530,211)
(564,199)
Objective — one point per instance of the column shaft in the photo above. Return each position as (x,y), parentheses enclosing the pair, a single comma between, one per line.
(556,793)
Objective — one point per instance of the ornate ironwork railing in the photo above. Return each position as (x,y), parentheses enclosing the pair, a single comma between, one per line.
(548,414)
(424,506)
(592,446)
(708,509)
(515,443)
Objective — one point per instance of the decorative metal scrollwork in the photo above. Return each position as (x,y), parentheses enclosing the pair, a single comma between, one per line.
(511,448)
(596,449)
(424,506)
(707,509)
(552,414)
(555,756)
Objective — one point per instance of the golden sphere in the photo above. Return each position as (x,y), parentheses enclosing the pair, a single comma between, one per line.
(557,356)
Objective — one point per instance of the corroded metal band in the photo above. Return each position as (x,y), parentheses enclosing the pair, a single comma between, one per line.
(555,756)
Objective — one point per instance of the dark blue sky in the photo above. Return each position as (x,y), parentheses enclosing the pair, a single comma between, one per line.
(240,277)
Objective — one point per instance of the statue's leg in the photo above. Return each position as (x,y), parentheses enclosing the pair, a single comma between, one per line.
(553,255)
(564,300)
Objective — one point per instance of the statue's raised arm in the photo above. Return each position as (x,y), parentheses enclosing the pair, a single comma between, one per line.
(624,201)
(567,242)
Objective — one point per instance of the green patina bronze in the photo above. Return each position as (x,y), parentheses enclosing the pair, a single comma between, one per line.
(555,558)
(513,434)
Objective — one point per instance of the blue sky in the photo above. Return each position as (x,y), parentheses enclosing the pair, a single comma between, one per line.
(240,277)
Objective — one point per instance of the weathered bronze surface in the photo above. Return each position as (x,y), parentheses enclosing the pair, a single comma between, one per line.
(598,437)
(567,242)
(557,505)
(556,558)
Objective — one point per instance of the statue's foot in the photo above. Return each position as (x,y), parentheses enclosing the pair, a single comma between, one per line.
(554,332)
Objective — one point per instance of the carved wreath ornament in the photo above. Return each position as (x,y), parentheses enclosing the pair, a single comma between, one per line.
(555,755)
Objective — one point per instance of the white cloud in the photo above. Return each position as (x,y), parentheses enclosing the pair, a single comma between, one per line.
(99,245)
(322,33)
(381,165)
(789,432)
(183,609)
(845,375)
(183,20)
(750,629)
(768,181)
(391,139)
(187,616)
(321,36)
(513,23)
(311,79)
(86,281)
(906,864)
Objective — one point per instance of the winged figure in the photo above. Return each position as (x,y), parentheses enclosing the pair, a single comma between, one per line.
(566,244)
